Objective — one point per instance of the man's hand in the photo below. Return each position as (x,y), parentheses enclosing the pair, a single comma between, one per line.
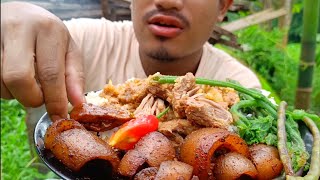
(40,62)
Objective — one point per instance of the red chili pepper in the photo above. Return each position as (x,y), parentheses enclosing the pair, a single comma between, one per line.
(132,131)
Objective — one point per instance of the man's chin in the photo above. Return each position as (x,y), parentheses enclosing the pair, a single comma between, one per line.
(161,54)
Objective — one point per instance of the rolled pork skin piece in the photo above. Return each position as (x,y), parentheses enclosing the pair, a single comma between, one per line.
(234,166)
(75,147)
(174,170)
(131,162)
(201,146)
(146,173)
(152,149)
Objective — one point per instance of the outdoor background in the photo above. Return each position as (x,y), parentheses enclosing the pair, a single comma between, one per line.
(263,51)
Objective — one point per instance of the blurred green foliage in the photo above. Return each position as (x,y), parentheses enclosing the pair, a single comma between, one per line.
(295,30)
(16,160)
(276,64)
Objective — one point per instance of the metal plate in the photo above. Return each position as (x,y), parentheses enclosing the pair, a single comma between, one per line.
(46,156)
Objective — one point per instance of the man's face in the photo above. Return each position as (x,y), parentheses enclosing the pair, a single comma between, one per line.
(172,29)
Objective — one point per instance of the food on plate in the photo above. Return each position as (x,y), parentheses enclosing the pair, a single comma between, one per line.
(168,127)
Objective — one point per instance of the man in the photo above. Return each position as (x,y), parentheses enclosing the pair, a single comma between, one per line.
(41,57)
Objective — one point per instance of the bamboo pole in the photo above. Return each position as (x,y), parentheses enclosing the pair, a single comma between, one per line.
(308,53)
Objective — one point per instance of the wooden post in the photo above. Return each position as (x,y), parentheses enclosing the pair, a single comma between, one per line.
(257,18)
(267,4)
(285,21)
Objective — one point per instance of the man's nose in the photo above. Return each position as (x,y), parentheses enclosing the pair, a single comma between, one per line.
(169,4)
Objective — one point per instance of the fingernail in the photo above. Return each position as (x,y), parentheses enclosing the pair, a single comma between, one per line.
(55,117)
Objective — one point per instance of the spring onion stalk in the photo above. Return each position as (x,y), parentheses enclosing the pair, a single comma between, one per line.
(163,112)
(314,170)
(282,141)
(255,94)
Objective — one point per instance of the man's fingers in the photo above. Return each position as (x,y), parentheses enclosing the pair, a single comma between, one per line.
(74,74)
(18,73)
(5,93)
(51,50)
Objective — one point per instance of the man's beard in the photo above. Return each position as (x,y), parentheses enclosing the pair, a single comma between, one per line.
(161,54)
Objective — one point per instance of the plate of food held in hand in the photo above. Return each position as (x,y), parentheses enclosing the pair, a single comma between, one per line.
(168,127)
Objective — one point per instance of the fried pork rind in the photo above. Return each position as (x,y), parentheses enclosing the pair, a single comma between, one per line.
(146,173)
(152,149)
(174,170)
(267,161)
(202,146)
(74,146)
(234,166)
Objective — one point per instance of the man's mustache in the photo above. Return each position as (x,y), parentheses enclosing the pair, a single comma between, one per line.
(174,13)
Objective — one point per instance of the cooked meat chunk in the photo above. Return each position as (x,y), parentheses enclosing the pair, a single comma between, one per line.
(127,95)
(163,91)
(177,129)
(208,113)
(184,87)
(180,126)
(132,91)
(150,106)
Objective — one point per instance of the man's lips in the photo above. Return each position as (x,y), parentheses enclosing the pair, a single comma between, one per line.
(165,26)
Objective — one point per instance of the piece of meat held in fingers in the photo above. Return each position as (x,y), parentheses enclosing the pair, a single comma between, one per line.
(98,118)
(75,147)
